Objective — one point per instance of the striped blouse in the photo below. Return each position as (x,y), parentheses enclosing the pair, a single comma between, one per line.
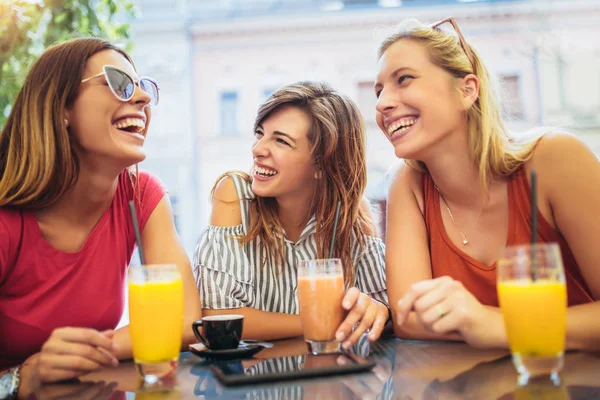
(230,275)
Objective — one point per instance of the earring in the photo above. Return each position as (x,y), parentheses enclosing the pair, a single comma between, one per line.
(66,121)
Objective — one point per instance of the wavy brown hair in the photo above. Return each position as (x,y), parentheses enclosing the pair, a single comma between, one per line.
(337,138)
(37,161)
(493,149)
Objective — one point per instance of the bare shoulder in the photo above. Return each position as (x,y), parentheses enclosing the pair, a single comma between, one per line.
(561,154)
(225,190)
(226,210)
(558,145)
(407,182)
(562,163)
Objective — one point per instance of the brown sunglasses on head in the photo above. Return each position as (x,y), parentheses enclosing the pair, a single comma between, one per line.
(461,38)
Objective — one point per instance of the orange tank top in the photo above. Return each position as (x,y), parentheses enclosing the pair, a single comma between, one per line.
(480,279)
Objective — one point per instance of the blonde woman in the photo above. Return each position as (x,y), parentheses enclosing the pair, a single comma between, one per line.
(463,195)
(66,236)
(309,153)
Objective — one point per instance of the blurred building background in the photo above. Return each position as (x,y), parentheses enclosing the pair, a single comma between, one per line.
(217,60)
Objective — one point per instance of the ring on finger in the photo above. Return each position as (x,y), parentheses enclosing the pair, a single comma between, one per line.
(441,312)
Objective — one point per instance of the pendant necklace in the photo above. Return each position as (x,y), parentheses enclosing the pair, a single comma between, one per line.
(465,241)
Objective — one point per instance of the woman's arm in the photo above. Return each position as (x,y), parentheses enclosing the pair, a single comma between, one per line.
(68,353)
(367,303)
(161,246)
(407,251)
(259,325)
(569,178)
(569,198)
(264,325)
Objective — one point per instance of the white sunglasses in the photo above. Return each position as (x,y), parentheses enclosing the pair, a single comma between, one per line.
(123,85)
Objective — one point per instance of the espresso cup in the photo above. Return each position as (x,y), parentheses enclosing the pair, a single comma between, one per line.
(220,332)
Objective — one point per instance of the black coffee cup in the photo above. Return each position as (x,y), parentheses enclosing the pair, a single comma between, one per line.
(220,332)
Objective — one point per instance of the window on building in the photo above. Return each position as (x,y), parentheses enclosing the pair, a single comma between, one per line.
(229,105)
(367,101)
(512,103)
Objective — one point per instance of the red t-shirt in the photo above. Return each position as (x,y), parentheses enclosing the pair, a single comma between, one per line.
(42,288)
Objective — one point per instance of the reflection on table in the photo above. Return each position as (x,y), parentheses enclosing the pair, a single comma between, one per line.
(404,370)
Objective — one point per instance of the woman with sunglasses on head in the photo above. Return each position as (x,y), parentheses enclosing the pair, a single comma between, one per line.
(463,194)
(66,235)
(309,153)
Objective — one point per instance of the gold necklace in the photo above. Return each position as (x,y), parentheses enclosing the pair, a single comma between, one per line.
(465,241)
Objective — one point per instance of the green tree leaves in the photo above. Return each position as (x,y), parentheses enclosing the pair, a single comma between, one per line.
(27,27)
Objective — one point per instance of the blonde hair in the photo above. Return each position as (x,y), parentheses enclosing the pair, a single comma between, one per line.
(493,149)
(37,161)
(337,137)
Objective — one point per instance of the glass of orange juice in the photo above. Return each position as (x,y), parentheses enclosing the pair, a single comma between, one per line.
(320,294)
(533,300)
(155,319)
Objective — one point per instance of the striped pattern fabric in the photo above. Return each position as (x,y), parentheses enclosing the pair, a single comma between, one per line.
(367,385)
(230,275)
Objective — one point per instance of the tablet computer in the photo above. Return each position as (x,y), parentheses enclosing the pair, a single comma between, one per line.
(243,372)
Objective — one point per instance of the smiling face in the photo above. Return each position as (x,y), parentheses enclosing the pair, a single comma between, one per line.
(283,162)
(104,126)
(418,104)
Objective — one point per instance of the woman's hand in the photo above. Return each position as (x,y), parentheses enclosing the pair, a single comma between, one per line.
(372,315)
(444,305)
(72,352)
(68,353)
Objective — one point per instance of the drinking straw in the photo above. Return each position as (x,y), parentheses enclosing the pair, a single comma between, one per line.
(533,224)
(335,224)
(136,229)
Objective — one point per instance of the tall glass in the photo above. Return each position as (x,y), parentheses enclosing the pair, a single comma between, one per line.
(156,319)
(533,300)
(320,294)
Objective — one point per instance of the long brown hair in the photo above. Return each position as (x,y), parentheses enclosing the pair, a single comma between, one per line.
(491,146)
(37,161)
(337,137)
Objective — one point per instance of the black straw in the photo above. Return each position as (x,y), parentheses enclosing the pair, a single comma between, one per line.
(533,224)
(335,224)
(136,229)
